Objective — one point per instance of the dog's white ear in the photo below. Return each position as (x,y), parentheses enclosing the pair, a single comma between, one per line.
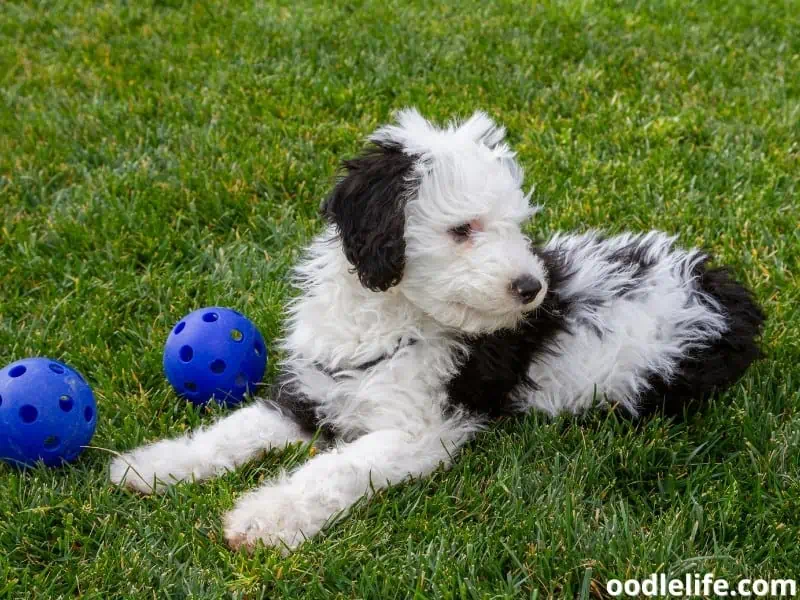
(481,129)
(412,133)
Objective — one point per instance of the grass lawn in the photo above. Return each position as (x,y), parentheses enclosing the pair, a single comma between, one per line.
(159,156)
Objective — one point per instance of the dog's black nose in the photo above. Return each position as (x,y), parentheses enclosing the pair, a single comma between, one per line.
(526,287)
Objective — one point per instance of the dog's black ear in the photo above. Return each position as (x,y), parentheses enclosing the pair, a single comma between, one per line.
(367,206)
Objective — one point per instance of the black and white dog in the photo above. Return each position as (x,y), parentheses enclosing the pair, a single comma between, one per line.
(424,311)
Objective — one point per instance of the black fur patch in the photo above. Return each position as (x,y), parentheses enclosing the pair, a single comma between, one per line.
(368,208)
(723,361)
(498,362)
(295,404)
(633,255)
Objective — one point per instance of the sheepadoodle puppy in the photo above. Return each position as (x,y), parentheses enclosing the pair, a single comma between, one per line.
(424,311)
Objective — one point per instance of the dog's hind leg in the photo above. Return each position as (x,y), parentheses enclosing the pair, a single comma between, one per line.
(207,452)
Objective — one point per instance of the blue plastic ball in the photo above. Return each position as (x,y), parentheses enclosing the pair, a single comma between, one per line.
(214,352)
(47,412)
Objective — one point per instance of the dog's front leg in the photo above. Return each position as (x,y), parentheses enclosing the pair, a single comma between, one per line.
(226,444)
(285,512)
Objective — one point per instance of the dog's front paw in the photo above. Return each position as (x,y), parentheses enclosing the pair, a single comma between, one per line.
(272,516)
(147,470)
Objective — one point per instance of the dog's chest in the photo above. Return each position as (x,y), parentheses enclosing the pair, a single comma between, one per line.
(497,364)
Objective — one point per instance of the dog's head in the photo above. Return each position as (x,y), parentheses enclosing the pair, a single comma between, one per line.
(437,212)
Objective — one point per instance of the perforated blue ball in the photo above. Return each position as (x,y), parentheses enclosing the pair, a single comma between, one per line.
(47,412)
(215,353)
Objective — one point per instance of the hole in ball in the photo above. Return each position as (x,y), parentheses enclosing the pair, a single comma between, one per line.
(218,366)
(179,327)
(28,413)
(65,403)
(1,401)
(210,317)
(88,413)
(186,353)
(258,349)
(51,442)
(236,335)
(17,371)
(190,386)
(241,380)
(57,369)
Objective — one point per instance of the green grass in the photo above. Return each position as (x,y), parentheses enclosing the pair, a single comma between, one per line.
(160,156)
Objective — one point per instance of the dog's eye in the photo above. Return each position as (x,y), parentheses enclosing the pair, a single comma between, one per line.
(461,232)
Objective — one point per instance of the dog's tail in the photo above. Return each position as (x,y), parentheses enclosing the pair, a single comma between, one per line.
(721,362)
